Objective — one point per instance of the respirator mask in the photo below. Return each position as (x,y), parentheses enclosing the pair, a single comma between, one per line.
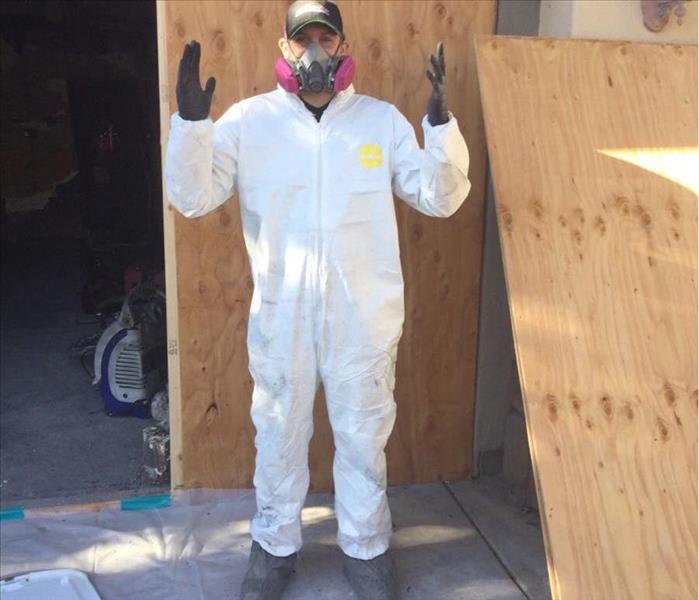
(315,71)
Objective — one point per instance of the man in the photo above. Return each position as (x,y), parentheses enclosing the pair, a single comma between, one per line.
(316,166)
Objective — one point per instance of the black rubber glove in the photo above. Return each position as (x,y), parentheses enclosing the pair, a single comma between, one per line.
(193,103)
(437,113)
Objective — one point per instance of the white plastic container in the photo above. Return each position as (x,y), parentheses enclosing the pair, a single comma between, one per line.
(57,584)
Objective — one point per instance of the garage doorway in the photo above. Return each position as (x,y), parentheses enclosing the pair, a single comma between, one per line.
(82,236)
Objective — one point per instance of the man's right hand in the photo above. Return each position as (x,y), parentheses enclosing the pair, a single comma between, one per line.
(193,103)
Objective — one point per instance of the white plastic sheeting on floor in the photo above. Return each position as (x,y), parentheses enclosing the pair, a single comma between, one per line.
(197,549)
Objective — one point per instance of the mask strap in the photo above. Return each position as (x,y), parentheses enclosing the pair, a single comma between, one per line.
(342,41)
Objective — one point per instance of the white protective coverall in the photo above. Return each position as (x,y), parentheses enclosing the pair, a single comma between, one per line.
(319,223)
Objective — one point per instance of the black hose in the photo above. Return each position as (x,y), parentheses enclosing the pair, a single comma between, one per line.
(90,352)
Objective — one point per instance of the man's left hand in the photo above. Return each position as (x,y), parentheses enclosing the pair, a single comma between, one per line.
(437,113)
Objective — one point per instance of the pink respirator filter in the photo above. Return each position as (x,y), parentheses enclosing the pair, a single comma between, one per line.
(285,76)
(343,76)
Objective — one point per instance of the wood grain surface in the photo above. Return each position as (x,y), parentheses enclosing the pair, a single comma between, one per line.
(598,227)
(212,443)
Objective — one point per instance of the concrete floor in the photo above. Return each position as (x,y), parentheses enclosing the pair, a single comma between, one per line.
(454,541)
(55,438)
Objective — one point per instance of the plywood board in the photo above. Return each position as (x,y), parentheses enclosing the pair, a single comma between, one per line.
(213,446)
(593,147)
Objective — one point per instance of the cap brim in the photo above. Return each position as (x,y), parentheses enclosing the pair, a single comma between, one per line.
(314,21)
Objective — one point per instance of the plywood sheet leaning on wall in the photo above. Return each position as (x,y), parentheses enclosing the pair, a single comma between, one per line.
(212,431)
(593,151)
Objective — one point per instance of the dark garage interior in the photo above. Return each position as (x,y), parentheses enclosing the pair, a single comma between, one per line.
(82,237)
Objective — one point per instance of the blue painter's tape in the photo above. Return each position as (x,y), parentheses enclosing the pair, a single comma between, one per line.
(146,502)
(14,513)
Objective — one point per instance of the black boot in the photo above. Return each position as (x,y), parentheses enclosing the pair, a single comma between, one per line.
(372,579)
(267,575)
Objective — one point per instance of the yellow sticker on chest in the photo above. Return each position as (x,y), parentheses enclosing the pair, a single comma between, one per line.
(370,156)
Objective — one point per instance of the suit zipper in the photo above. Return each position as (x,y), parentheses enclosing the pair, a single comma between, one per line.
(320,304)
